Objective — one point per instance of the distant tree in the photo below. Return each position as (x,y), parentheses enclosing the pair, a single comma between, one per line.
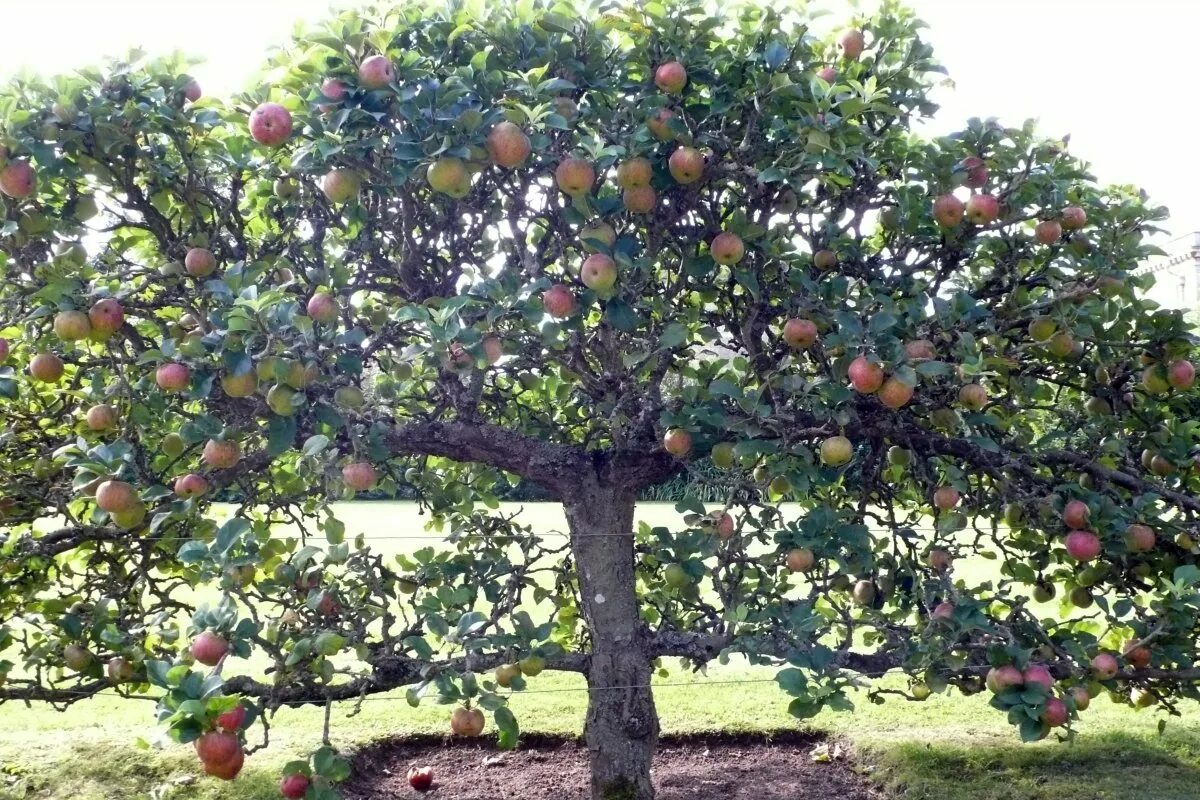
(587,249)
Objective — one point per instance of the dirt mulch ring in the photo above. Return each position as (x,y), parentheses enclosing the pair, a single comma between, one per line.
(705,767)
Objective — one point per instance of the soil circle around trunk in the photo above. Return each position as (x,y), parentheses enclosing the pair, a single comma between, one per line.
(696,767)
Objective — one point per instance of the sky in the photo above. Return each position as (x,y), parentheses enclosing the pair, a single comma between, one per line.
(1118,75)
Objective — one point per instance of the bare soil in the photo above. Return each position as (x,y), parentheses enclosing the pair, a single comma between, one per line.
(702,767)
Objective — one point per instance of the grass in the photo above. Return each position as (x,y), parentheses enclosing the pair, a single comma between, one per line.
(947,748)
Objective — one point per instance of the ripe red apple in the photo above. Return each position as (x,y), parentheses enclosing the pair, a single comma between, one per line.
(574,176)
(599,273)
(18,180)
(1038,674)
(943,610)
(270,124)
(233,719)
(1002,678)
(71,326)
(920,350)
(333,89)
(836,450)
(106,316)
(293,787)
(686,165)
(1083,545)
(559,301)
(1076,514)
(948,210)
(322,308)
(172,377)
(376,72)
(359,476)
(508,145)
(1048,231)
(119,670)
(1138,655)
(420,778)
(1073,218)
(727,248)
(116,497)
(466,721)
(209,648)
(1081,697)
(1056,713)
(217,747)
(221,454)
(635,172)
(973,396)
(671,77)
(800,334)
(976,172)
(982,209)
(191,90)
(1181,374)
(1139,538)
(639,199)
(190,485)
(340,185)
(946,498)
(100,417)
(659,124)
(800,559)
(199,262)
(938,558)
(46,367)
(677,442)
(865,375)
(1105,666)
(895,393)
(226,770)
(852,43)
(827,74)
(723,523)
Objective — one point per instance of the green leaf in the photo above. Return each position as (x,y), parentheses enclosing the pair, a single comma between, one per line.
(506,727)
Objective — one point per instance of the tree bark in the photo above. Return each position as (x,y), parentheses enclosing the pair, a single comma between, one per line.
(622,725)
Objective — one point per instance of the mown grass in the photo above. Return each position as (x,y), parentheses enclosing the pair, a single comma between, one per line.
(948,748)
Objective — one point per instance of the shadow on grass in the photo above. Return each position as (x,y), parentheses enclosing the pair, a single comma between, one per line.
(1106,766)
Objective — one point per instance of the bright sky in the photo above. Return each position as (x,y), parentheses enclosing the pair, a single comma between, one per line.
(1118,75)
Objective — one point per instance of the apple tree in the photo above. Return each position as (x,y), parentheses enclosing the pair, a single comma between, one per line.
(924,421)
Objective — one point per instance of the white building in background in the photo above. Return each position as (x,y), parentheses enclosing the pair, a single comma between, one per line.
(1177,275)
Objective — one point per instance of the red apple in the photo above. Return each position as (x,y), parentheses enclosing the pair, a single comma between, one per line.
(982,209)
(100,417)
(598,273)
(1001,678)
(508,145)
(559,301)
(322,308)
(670,77)
(852,43)
(233,719)
(221,453)
(1138,655)
(18,179)
(727,248)
(1139,538)
(376,72)
(191,90)
(574,176)
(895,393)
(659,124)
(939,559)
(686,165)
(1105,666)
(800,559)
(359,476)
(976,172)
(270,124)
(944,610)
(677,442)
(825,259)
(340,185)
(635,172)
(1181,374)
(1075,514)
(46,367)
(107,316)
(827,74)
(948,210)
(3,349)
(946,498)
(466,722)
(639,199)
(800,334)
(190,485)
(333,89)
(1038,674)
(226,770)
(865,375)
(293,787)
(217,747)
(172,377)
(1073,218)
(116,497)
(1083,545)
(209,648)
(1056,714)
(973,396)
(1048,231)
(199,262)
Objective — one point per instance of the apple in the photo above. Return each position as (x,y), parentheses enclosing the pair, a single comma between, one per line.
(598,231)
(199,262)
(948,210)
(973,396)
(420,778)
(722,455)
(18,180)
(209,648)
(920,350)
(634,172)
(270,124)
(100,417)
(281,399)
(322,308)
(982,209)
(946,497)
(333,89)
(190,485)
(727,248)
(1083,545)
(723,523)
(800,559)
(836,450)
(532,665)
(938,558)
(895,393)
(243,385)
(800,334)
(865,375)
(505,673)
(976,172)
(943,610)
(1181,374)
(1073,218)
(217,746)
(1076,514)
(671,77)
(566,107)
(1038,674)
(119,670)
(574,176)
(898,456)
(686,165)
(852,43)
(1042,328)
(172,445)
(359,476)
(221,453)
(1061,344)
(677,442)
(1139,538)
(1048,231)
(172,376)
(233,719)
(559,301)
(659,124)
(493,349)
(466,722)
(191,90)
(1138,655)
(294,787)
(340,185)
(106,317)
(1056,714)
(863,593)
(116,496)
(676,576)
(598,273)
(77,657)
(1082,698)
(376,72)
(827,74)
(71,326)
(449,175)
(1142,698)
(639,199)
(508,145)
(1000,679)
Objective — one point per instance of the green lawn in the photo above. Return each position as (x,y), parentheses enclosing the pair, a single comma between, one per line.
(948,748)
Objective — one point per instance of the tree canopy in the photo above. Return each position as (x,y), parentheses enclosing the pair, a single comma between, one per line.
(594,247)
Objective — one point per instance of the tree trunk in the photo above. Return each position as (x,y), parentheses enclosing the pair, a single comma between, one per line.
(622,724)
